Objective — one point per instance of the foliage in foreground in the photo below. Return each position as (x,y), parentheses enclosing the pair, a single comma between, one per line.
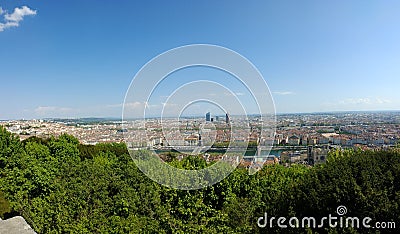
(58,185)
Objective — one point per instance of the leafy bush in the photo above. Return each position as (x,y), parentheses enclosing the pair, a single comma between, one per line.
(60,186)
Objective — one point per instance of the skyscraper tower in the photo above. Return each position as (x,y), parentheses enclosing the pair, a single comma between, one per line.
(208,116)
(227,118)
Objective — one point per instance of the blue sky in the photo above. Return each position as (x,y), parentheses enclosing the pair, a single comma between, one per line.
(77,58)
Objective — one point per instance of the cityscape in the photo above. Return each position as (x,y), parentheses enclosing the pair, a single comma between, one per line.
(211,117)
(293,135)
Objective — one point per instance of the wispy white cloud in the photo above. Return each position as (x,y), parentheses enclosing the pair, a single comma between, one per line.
(52,111)
(283,92)
(13,19)
(383,100)
(165,104)
(134,105)
(360,103)
(119,105)
(19,14)
(367,101)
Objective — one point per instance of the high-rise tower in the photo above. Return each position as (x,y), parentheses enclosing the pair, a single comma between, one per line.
(208,116)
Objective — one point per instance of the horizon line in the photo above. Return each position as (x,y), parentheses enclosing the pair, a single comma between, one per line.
(194,116)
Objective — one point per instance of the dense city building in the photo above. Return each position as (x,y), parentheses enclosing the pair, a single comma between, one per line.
(293,133)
